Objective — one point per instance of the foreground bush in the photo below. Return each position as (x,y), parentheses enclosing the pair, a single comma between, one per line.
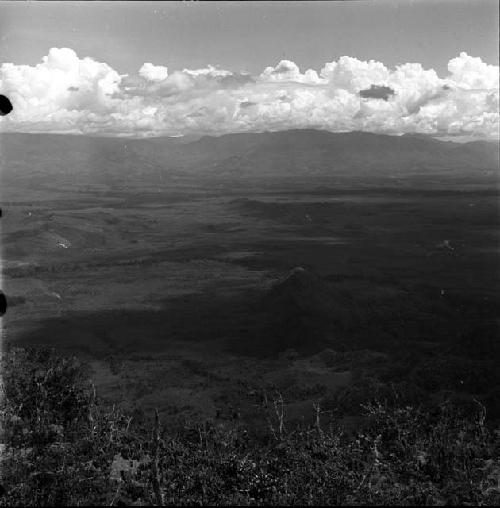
(63,447)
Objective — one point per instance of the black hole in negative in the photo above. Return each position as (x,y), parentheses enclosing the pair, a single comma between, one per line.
(3,304)
(5,105)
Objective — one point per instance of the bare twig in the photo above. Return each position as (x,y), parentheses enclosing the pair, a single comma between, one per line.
(156,469)
(129,421)
(317,423)
(117,493)
(279,409)
(91,406)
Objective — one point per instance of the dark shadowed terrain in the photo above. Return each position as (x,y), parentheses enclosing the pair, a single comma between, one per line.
(198,276)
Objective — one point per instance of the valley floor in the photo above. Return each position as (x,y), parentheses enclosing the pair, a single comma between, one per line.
(178,296)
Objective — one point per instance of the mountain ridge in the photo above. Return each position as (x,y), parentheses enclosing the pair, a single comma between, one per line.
(296,152)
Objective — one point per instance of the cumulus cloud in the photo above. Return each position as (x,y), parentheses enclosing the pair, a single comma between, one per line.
(152,72)
(472,73)
(289,71)
(67,93)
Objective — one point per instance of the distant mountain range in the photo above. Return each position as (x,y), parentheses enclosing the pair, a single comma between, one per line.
(303,152)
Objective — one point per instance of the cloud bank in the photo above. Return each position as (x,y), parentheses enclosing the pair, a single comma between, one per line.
(66,93)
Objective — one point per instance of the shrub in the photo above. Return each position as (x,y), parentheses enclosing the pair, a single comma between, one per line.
(63,446)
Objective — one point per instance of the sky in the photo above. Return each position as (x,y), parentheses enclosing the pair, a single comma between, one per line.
(174,68)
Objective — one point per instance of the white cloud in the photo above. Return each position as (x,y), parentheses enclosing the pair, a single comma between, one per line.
(65,93)
(153,72)
(289,71)
(469,72)
(353,74)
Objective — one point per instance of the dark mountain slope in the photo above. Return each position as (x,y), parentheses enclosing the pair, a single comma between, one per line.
(323,153)
(305,152)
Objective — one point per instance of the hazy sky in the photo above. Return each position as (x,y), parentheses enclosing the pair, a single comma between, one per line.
(385,66)
(251,35)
